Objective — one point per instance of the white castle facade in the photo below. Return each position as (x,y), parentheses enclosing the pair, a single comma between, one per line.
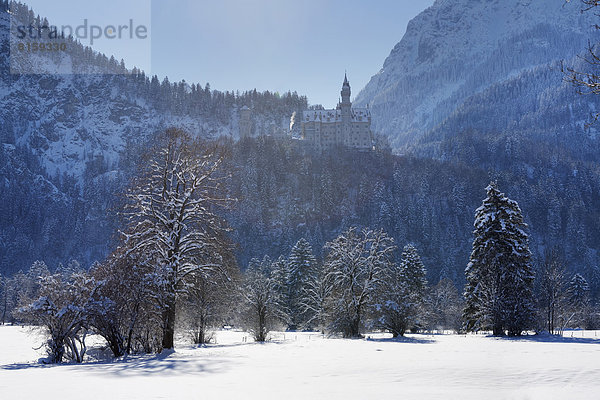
(343,125)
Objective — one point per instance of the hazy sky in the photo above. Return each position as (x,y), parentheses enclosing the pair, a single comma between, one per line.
(276,45)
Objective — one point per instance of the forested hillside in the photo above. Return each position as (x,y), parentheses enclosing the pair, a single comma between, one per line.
(70,143)
(288,191)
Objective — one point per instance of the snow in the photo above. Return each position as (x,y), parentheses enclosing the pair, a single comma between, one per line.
(334,115)
(458,48)
(306,365)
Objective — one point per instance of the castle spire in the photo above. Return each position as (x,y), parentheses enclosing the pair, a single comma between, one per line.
(345,90)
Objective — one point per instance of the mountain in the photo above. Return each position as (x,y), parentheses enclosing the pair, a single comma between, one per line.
(69,141)
(69,119)
(479,84)
(457,50)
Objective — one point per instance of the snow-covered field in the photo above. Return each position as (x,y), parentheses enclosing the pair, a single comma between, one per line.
(308,366)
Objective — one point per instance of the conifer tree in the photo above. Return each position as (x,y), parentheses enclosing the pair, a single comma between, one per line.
(499,291)
(301,267)
(279,277)
(578,296)
(578,290)
(413,271)
(314,294)
(401,298)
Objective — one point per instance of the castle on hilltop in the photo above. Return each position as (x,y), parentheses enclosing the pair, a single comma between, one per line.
(343,125)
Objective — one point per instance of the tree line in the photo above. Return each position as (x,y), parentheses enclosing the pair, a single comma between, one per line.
(175,269)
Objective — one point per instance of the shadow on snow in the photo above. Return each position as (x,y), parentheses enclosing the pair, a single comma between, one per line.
(403,339)
(548,338)
(166,361)
(162,363)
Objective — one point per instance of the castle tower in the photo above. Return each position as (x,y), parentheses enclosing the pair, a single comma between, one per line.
(346,109)
(346,92)
(245,123)
(344,125)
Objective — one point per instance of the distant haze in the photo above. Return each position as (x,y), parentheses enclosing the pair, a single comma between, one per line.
(275,45)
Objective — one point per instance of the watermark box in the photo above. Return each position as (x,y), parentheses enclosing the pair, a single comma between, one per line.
(68,37)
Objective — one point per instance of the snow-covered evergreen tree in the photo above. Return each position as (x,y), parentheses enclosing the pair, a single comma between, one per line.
(413,271)
(301,270)
(499,291)
(578,290)
(30,284)
(38,270)
(578,297)
(280,278)
(315,292)
(402,294)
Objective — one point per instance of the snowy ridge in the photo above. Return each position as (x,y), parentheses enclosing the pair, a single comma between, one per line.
(69,120)
(457,48)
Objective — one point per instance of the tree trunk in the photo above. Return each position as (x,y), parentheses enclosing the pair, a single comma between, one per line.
(5,304)
(56,350)
(261,334)
(169,325)
(354,328)
(497,330)
(115,342)
(200,335)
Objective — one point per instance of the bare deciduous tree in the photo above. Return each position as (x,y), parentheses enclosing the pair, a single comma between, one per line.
(172,219)
(123,309)
(552,286)
(62,310)
(354,269)
(586,81)
(209,300)
(262,305)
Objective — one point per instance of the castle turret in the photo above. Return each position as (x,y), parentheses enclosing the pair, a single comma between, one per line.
(346,109)
(346,91)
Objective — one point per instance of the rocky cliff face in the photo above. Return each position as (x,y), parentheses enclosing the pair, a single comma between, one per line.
(69,120)
(459,48)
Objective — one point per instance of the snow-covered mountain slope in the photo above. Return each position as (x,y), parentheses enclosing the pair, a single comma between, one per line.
(69,120)
(70,142)
(458,48)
